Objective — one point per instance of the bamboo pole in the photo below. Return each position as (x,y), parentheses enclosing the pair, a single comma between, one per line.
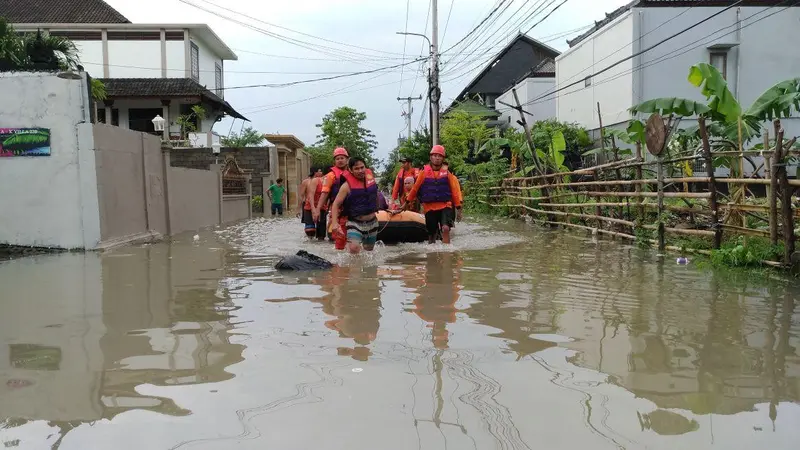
(772,191)
(599,230)
(584,171)
(639,176)
(581,216)
(712,186)
(528,136)
(650,194)
(748,231)
(660,194)
(786,195)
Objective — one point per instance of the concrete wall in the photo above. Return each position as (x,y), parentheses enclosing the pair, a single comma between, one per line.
(527,91)
(50,200)
(130,183)
(259,160)
(235,208)
(195,198)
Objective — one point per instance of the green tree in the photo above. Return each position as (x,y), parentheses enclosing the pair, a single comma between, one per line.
(459,132)
(320,156)
(248,137)
(35,51)
(344,127)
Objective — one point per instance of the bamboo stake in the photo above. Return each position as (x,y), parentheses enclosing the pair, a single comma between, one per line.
(750,231)
(584,171)
(650,194)
(660,193)
(581,216)
(639,176)
(772,191)
(786,195)
(712,186)
(599,230)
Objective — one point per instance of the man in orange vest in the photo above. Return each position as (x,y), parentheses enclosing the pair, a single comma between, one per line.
(330,188)
(438,191)
(406,170)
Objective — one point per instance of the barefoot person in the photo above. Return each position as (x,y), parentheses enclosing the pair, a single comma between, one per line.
(310,192)
(358,200)
(438,192)
(330,188)
(276,194)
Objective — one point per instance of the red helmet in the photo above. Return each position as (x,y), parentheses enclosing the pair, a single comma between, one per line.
(340,151)
(438,150)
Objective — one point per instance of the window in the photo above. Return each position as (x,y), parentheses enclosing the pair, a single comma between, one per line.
(720,61)
(587,81)
(195,55)
(218,78)
(101,116)
(141,119)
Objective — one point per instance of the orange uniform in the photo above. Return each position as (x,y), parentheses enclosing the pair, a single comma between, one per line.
(455,188)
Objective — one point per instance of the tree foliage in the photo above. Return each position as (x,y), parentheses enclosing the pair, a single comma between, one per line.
(344,127)
(248,137)
(34,51)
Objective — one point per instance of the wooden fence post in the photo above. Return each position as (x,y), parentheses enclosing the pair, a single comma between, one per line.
(660,171)
(787,217)
(772,188)
(639,176)
(712,183)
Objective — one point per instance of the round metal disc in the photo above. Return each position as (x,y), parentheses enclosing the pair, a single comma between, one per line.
(655,134)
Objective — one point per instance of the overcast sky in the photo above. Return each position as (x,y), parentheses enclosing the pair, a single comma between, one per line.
(368,27)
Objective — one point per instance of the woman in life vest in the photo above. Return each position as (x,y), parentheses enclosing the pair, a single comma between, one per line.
(438,191)
(358,199)
(406,170)
(330,188)
(311,195)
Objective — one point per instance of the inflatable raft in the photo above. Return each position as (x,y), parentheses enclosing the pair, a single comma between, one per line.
(406,226)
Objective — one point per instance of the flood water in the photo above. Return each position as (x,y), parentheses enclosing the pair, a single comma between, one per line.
(511,338)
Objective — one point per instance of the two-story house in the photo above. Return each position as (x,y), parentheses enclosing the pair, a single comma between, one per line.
(741,41)
(148,70)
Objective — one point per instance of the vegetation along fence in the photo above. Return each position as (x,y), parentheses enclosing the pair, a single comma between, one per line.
(745,218)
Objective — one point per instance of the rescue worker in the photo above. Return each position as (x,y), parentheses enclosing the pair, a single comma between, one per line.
(359,202)
(330,188)
(405,171)
(438,191)
(311,194)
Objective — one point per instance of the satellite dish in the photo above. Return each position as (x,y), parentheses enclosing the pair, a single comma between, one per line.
(655,134)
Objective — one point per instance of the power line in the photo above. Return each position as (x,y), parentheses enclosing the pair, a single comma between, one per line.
(188,2)
(452,2)
(548,15)
(478,26)
(405,41)
(425,30)
(303,58)
(264,72)
(675,53)
(628,58)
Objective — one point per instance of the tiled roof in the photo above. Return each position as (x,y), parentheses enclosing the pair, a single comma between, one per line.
(164,88)
(60,11)
(546,67)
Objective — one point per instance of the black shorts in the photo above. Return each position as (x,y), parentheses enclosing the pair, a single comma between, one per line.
(435,219)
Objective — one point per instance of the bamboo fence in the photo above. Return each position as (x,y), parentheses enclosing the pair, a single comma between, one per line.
(607,203)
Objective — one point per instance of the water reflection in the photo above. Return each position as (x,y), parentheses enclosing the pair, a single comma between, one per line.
(80,333)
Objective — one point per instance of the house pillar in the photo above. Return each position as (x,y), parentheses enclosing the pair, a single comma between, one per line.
(167,120)
(109,104)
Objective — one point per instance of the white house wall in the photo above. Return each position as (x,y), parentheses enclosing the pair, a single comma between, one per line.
(56,203)
(176,59)
(612,88)
(134,59)
(91,57)
(528,90)
(207,64)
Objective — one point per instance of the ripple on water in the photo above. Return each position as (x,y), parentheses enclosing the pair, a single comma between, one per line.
(279,237)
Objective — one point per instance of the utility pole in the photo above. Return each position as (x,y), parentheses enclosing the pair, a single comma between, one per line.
(435,92)
(408,114)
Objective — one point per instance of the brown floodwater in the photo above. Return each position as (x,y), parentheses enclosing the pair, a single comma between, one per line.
(511,338)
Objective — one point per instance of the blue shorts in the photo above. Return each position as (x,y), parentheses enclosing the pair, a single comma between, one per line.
(364,233)
(277,208)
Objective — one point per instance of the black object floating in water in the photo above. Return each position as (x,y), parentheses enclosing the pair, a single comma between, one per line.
(303,261)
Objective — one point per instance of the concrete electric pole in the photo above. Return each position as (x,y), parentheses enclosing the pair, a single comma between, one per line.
(435,92)
(408,113)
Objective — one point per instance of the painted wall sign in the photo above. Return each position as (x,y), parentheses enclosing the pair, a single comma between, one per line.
(24,142)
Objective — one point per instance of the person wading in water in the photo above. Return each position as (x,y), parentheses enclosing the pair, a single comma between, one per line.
(310,193)
(330,188)
(438,191)
(405,171)
(358,198)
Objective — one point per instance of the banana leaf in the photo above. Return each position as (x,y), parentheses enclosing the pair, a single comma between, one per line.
(557,148)
(714,87)
(776,101)
(671,105)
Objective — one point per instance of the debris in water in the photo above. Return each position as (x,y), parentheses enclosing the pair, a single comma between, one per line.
(682,261)
(196,237)
(303,261)
(358,369)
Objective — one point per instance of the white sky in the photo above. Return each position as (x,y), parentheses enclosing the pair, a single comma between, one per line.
(363,23)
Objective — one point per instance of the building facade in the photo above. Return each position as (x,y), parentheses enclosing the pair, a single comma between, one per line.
(738,41)
(148,69)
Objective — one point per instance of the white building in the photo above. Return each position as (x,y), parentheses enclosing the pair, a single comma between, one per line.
(540,81)
(741,42)
(148,69)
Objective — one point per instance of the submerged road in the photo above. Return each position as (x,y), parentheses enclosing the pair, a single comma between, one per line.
(511,338)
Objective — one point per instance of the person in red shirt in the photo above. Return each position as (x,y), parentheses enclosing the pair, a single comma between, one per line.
(438,191)
(330,188)
(405,171)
